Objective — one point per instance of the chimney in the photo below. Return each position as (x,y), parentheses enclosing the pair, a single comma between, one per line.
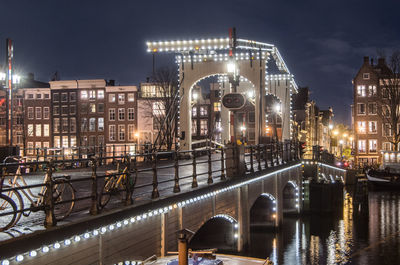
(111,82)
(31,76)
(381,61)
(147,79)
(372,61)
(366,59)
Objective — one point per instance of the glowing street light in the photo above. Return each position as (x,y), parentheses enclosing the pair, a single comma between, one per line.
(335,132)
(277,108)
(231,67)
(195,96)
(330,126)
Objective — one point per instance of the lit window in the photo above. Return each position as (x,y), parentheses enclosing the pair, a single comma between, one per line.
(387,146)
(46,130)
(217,106)
(84,94)
(194,127)
(100,124)
(46,145)
(362,146)
(361,91)
(131,132)
(92,94)
(371,91)
(372,126)
(30,148)
(203,127)
(30,129)
(121,132)
(372,143)
(56,125)
(92,124)
(121,99)
(131,97)
(111,98)
(84,126)
(194,111)
(100,94)
(361,127)
(158,109)
(73,141)
(38,130)
(57,141)
(203,111)
(92,108)
(65,141)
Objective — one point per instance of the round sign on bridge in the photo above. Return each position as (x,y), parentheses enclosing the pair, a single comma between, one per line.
(233,101)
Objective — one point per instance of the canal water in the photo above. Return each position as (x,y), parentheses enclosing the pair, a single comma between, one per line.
(363,231)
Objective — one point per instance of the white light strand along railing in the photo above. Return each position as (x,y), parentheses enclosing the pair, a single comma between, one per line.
(137,218)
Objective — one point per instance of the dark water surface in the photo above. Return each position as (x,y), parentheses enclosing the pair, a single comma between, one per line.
(366,232)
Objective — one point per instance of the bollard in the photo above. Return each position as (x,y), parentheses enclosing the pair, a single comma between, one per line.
(94,206)
(128,181)
(209,179)
(194,182)
(251,159)
(182,249)
(155,194)
(176,166)
(222,164)
(50,219)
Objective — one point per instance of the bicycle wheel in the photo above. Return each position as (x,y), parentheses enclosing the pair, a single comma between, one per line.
(8,212)
(105,194)
(19,202)
(64,196)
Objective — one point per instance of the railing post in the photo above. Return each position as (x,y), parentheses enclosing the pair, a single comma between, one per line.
(259,157)
(155,194)
(48,199)
(113,154)
(94,209)
(251,159)
(129,182)
(176,166)
(209,179)
(194,182)
(281,146)
(222,164)
(266,156)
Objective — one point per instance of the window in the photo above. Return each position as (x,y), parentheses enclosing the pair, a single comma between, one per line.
(73,141)
(92,124)
(217,106)
(362,146)
(57,141)
(387,129)
(31,96)
(158,109)
(371,91)
(387,146)
(131,97)
(30,148)
(100,94)
(111,114)
(361,127)
(361,91)
(72,109)
(361,108)
(56,110)
(101,140)
(121,114)
(111,130)
(84,125)
(121,132)
(372,126)
(65,127)
(194,127)
(385,92)
(121,98)
(30,129)
(84,94)
(65,141)
(56,97)
(252,117)
(30,113)
(131,114)
(72,125)
(46,95)
(64,110)
(46,145)
(84,140)
(131,132)
(72,96)
(39,96)
(365,75)
(38,145)
(46,130)
(203,111)
(64,97)
(92,94)
(203,127)
(386,110)
(92,140)
(46,113)
(92,108)
(100,107)
(100,125)
(38,130)
(111,98)
(372,109)
(194,111)
(56,125)
(372,143)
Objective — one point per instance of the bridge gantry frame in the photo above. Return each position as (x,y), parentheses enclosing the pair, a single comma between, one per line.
(201,58)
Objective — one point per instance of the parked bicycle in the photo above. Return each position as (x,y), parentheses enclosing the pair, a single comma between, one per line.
(63,198)
(116,184)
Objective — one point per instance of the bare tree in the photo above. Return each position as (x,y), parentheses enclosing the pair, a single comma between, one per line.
(388,104)
(163,103)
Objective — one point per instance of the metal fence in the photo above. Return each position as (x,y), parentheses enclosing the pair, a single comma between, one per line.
(123,179)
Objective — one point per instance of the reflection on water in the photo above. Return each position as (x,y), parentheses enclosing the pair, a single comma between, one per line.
(367,231)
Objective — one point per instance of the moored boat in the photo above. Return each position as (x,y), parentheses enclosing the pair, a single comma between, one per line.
(383,179)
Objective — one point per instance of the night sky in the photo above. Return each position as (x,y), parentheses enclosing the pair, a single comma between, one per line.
(322,41)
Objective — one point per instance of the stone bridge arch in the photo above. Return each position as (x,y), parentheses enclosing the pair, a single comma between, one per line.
(290,198)
(263,212)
